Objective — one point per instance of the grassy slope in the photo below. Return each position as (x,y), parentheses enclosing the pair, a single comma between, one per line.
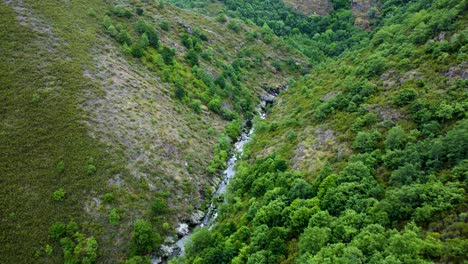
(56,94)
(40,126)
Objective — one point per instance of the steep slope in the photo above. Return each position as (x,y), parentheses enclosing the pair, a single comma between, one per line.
(95,136)
(364,159)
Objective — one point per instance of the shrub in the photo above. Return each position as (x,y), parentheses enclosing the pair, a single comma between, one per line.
(139,11)
(168,55)
(144,239)
(124,38)
(57,230)
(405,96)
(61,167)
(59,195)
(196,105)
(108,197)
(141,26)
(396,138)
(138,260)
(215,105)
(234,129)
(192,58)
(114,217)
(366,142)
(164,25)
(159,206)
(234,26)
(121,11)
(49,250)
(91,170)
(221,18)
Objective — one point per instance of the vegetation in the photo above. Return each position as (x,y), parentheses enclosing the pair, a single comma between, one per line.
(117,116)
(361,161)
(110,112)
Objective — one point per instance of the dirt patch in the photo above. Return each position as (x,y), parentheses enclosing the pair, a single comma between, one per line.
(311,153)
(311,7)
(386,113)
(26,17)
(457,72)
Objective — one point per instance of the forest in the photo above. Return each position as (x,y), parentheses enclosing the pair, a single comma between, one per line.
(387,183)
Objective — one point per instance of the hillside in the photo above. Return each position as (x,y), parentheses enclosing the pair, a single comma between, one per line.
(97,133)
(364,159)
(118,118)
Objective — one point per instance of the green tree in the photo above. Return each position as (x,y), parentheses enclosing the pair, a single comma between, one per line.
(396,138)
(366,141)
(313,239)
(144,239)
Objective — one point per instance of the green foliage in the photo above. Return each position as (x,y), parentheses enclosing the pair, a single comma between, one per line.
(124,38)
(61,167)
(49,250)
(57,230)
(121,11)
(114,217)
(164,25)
(168,55)
(405,97)
(366,141)
(234,129)
(138,260)
(144,239)
(396,138)
(108,197)
(234,26)
(91,170)
(59,195)
(159,206)
(192,57)
(76,247)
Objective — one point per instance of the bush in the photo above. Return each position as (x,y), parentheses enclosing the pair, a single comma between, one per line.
(139,11)
(405,96)
(61,167)
(91,170)
(57,230)
(366,142)
(49,250)
(114,217)
(159,206)
(59,195)
(144,239)
(138,260)
(215,105)
(164,25)
(234,129)
(121,11)
(168,55)
(108,197)
(192,57)
(124,38)
(221,18)
(396,138)
(234,26)
(196,105)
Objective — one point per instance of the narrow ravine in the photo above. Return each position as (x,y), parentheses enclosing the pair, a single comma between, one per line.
(211,213)
(177,248)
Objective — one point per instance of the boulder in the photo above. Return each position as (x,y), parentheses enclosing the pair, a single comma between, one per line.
(196,217)
(182,229)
